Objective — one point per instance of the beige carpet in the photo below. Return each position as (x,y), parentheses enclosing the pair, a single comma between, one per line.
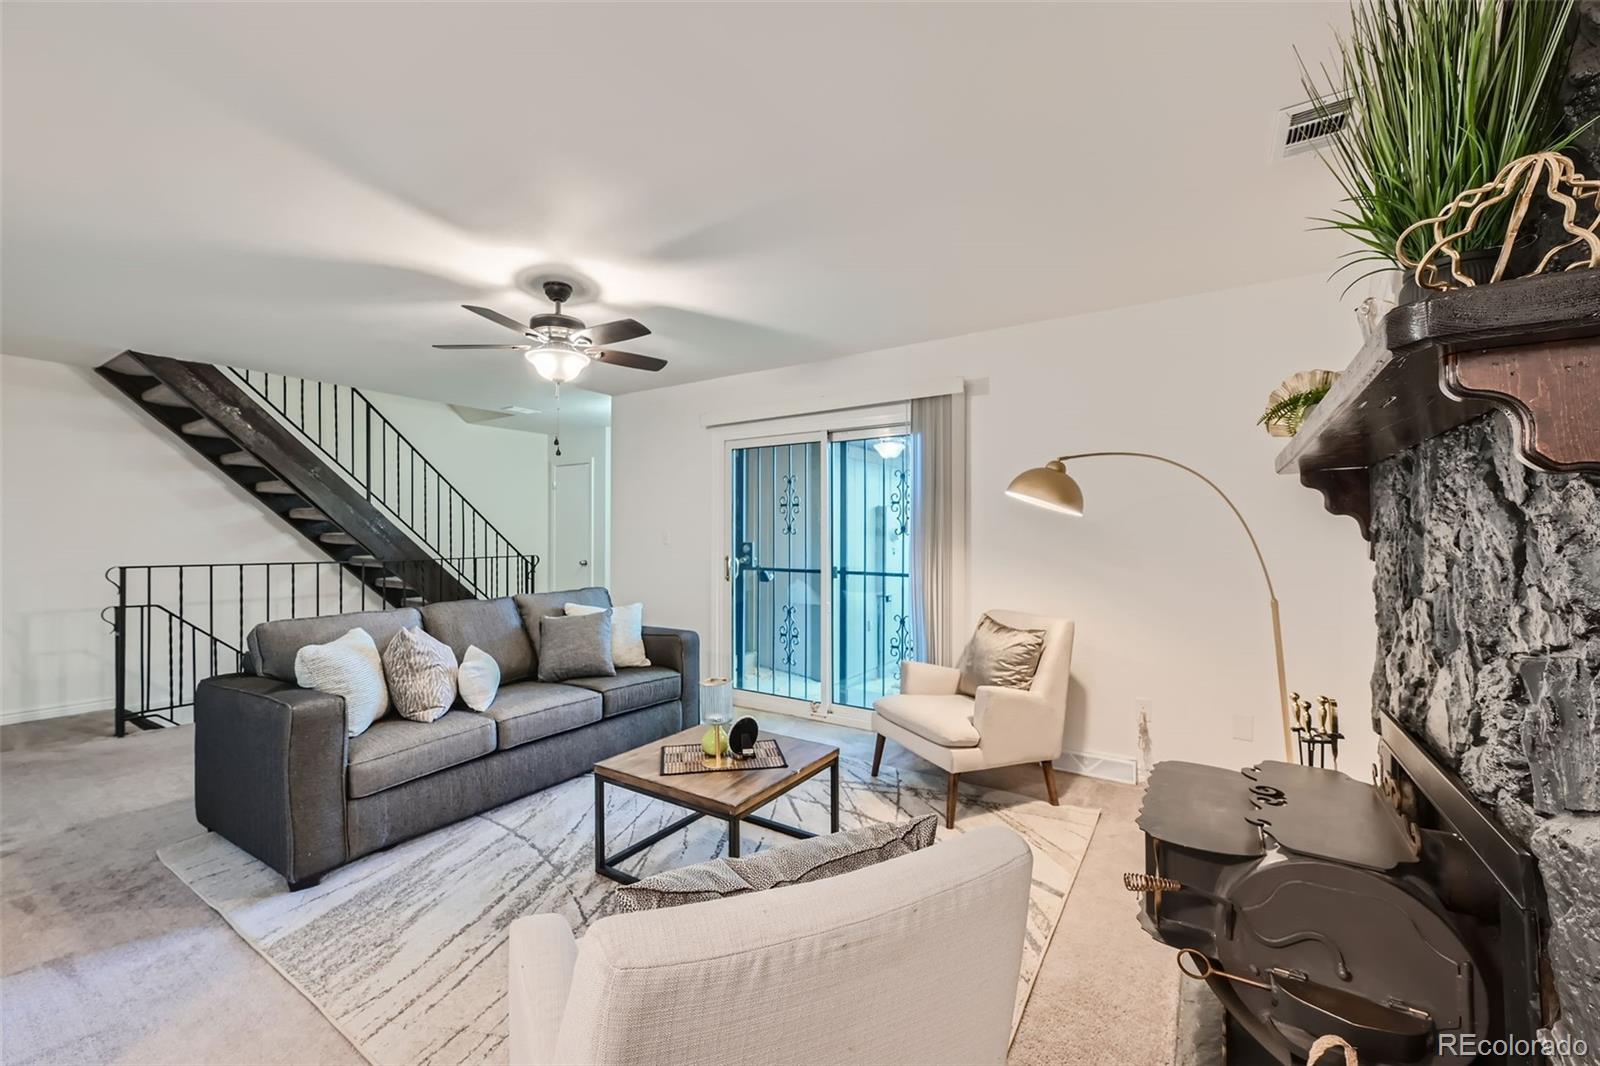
(106,957)
(404,951)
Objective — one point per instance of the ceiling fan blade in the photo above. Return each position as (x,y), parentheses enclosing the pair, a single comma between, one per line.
(623,329)
(497,318)
(628,359)
(487,347)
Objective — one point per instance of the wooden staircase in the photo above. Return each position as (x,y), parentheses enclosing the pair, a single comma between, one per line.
(293,476)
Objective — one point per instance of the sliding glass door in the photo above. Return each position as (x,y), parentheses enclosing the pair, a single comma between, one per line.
(871,538)
(776,570)
(818,570)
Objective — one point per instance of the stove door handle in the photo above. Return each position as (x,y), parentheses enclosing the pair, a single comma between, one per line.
(1377,1031)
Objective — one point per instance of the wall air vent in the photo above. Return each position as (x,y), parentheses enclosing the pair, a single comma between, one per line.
(1307,126)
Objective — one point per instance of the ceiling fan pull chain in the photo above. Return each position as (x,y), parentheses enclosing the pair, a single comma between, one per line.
(558,420)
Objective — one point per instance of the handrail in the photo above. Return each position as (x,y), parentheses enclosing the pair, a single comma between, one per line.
(472,518)
(167,611)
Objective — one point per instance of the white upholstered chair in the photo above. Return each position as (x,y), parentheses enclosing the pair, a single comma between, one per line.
(913,960)
(997,727)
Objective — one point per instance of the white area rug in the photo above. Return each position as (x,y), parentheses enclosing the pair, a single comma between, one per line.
(405,951)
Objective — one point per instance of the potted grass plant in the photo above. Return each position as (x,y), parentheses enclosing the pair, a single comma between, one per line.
(1443,94)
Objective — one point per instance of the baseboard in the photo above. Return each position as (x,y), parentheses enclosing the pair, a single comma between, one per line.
(1117,768)
(15,715)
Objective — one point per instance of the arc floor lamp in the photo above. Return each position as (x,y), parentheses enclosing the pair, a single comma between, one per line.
(1051,487)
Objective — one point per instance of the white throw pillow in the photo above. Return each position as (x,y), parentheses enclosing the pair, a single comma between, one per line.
(348,667)
(627,636)
(422,675)
(478,679)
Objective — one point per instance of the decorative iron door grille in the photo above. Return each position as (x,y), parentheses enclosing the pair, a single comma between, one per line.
(872,622)
(777,570)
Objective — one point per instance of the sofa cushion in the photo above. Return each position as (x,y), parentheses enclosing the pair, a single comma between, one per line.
(531,710)
(633,688)
(790,863)
(397,750)
(533,606)
(945,720)
(273,645)
(575,646)
(421,672)
(493,625)
(351,669)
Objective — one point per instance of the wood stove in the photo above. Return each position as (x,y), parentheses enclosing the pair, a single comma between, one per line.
(1399,916)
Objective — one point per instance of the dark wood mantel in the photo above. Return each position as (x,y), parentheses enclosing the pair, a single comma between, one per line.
(1529,347)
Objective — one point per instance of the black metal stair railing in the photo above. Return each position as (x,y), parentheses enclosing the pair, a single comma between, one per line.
(174,625)
(343,424)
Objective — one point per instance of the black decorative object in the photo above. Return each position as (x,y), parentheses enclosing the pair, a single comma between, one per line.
(742,737)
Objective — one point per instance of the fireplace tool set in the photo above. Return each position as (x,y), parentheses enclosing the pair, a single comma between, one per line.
(1316,738)
(1398,918)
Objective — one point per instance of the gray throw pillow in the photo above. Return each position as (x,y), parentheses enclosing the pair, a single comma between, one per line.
(788,864)
(1001,655)
(576,645)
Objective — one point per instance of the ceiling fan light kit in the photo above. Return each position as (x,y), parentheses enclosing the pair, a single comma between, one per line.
(561,347)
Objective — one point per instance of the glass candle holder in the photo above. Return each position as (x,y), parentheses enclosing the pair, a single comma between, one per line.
(716,711)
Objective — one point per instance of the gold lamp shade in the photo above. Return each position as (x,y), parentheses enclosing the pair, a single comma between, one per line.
(1048,486)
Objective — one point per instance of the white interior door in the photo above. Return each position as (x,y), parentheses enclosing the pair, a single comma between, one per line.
(571,526)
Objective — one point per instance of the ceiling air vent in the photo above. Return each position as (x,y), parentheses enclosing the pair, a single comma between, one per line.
(1307,126)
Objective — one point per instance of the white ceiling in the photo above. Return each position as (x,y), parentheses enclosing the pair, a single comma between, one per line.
(314,188)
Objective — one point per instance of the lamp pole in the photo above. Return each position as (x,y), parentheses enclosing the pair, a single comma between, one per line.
(1272,595)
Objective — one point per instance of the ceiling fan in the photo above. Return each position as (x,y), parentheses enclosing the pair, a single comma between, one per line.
(561,347)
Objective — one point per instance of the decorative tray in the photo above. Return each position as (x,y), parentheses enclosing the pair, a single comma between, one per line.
(692,759)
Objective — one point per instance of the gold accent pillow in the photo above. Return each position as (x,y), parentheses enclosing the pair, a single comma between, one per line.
(999,655)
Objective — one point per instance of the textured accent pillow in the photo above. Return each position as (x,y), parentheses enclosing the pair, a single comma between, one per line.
(422,675)
(575,646)
(478,679)
(627,631)
(1001,655)
(787,864)
(349,667)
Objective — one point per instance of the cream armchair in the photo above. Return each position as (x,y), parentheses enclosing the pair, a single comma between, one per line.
(997,727)
(913,960)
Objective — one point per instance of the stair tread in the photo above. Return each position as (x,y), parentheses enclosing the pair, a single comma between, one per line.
(127,364)
(392,582)
(415,601)
(274,487)
(241,459)
(307,514)
(164,395)
(203,427)
(337,538)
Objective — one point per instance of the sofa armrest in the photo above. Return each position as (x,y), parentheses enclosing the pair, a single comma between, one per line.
(678,649)
(269,771)
(543,954)
(1015,725)
(928,679)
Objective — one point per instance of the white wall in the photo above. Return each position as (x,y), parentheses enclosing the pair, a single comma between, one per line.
(89,481)
(1167,598)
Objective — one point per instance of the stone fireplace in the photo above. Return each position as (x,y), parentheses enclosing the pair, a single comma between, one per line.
(1488,605)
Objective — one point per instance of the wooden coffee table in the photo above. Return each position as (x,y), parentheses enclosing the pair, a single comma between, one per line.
(731,795)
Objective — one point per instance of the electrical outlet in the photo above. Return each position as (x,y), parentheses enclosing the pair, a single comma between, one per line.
(1244,727)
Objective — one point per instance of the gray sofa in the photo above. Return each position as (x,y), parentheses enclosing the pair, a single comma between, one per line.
(276,775)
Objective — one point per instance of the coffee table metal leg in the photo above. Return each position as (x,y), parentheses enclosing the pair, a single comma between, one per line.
(600,823)
(607,865)
(733,838)
(833,796)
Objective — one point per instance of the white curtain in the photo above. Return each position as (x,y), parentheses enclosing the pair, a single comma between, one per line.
(938,525)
